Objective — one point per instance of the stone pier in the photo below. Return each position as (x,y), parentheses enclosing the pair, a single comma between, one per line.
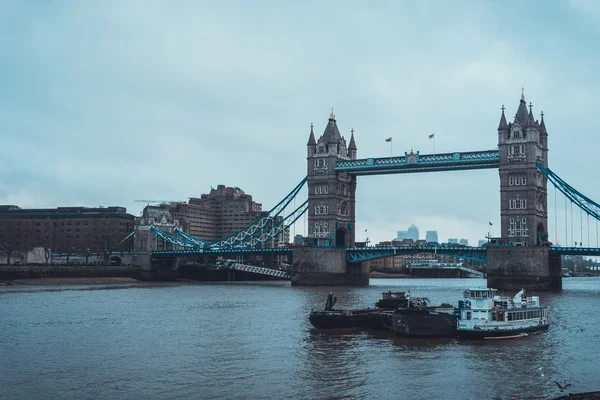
(156,270)
(513,268)
(321,266)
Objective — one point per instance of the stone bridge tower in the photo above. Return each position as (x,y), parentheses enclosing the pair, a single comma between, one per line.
(523,188)
(524,261)
(331,195)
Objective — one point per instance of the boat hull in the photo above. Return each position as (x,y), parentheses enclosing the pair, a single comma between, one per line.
(423,323)
(350,319)
(478,334)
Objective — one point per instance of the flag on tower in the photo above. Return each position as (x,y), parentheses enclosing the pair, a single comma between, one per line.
(388,139)
(491,224)
(432,136)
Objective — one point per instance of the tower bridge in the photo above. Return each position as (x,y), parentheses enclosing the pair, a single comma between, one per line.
(520,257)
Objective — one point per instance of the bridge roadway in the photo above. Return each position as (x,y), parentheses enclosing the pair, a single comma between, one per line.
(359,254)
(415,162)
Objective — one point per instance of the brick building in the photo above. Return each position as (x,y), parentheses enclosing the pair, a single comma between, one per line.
(218,214)
(64,229)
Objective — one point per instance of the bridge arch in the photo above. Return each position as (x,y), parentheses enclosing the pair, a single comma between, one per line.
(340,237)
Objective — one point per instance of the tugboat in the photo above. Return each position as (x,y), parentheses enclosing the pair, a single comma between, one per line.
(420,319)
(365,318)
(485,315)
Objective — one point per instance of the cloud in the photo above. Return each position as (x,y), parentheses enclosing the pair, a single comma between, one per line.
(108,103)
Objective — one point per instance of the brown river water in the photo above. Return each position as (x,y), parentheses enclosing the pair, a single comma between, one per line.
(252,340)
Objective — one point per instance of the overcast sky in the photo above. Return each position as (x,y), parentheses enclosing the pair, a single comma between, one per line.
(103,103)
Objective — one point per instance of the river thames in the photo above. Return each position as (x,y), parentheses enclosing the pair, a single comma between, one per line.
(252,340)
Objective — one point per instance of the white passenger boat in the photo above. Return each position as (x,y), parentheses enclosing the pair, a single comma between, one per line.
(485,315)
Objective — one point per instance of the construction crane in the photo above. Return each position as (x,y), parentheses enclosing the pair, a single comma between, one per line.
(158,201)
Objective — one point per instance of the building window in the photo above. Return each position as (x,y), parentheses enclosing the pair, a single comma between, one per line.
(517,227)
(517,134)
(517,180)
(517,204)
(321,229)
(321,189)
(321,210)
(517,149)
(320,162)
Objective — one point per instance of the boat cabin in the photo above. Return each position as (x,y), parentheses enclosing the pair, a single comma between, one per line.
(393,295)
(482,305)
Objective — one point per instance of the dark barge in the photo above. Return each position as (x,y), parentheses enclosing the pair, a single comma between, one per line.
(377,318)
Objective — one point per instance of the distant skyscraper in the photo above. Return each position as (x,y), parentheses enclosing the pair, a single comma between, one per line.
(481,242)
(413,233)
(402,235)
(463,242)
(453,241)
(431,236)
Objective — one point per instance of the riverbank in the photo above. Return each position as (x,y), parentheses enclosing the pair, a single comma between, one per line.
(580,396)
(383,275)
(105,280)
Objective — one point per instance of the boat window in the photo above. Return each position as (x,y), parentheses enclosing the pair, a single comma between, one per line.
(493,316)
(469,315)
(510,316)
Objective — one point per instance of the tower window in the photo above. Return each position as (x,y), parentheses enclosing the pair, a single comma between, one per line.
(322,189)
(321,162)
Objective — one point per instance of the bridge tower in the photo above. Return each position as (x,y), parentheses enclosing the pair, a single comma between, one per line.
(524,261)
(331,195)
(523,188)
(331,216)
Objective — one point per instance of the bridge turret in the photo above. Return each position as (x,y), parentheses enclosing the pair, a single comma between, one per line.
(312,143)
(523,188)
(331,199)
(352,150)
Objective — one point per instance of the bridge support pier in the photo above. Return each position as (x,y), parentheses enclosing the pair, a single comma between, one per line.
(322,266)
(531,268)
(156,270)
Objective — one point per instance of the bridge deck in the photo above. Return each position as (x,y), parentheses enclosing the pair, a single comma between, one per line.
(415,162)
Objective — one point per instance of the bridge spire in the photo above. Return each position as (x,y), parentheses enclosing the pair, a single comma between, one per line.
(522,115)
(311,138)
(332,115)
(543,125)
(503,126)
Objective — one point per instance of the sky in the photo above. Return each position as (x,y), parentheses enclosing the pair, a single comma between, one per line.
(104,103)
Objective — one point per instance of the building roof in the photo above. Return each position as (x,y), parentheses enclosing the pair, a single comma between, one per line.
(13,212)
(543,125)
(503,126)
(311,138)
(352,145)
(522,114)
(331,133)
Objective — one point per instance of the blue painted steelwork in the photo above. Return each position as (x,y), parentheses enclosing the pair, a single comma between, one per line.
(217,252)
(175,241)
(122,241)
(254,233)
(258,238)
(414,162)
(585,203)
(575,251)
(372,253)
(192,239)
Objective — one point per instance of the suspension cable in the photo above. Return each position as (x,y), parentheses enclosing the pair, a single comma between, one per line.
(572,222)
(588,224)
(566,224)
(555,217)
(581,226)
